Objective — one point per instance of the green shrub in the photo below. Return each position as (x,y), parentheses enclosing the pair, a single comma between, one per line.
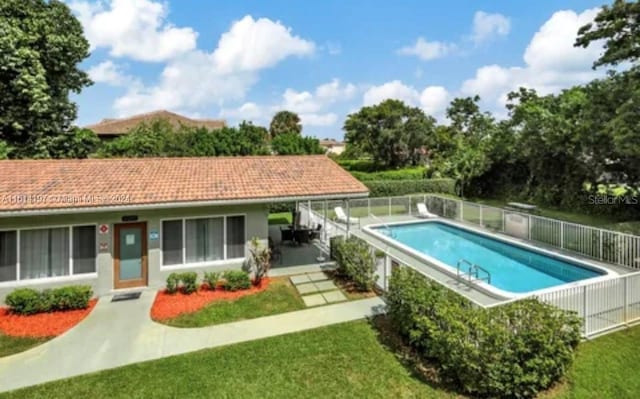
(356,262)
(511,351)
(71,297)
(173,280)
(335,243)
(188,279)
(28,301)
(211,278)
(235,280)
(24,301)
(412,173)
(388,188)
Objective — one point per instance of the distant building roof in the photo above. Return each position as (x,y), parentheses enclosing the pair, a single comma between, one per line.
(117,127)
(330,143)
(44,186)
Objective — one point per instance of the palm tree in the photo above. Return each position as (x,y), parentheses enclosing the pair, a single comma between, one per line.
(285,122)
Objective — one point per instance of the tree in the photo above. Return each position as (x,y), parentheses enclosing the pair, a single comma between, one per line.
(392,133)
(294,144)
(74,143)
(285,122)
(41,45)
(619,26)
(4,150)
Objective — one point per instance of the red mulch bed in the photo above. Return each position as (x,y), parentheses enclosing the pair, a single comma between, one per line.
(167,306)
(41,325)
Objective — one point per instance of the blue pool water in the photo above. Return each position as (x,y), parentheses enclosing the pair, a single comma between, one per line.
(513,268)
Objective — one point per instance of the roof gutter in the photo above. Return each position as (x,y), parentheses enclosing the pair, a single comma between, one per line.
(183,204)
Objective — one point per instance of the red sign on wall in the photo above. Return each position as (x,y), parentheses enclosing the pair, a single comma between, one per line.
(104,228)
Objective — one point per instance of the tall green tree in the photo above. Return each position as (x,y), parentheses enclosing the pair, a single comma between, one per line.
(619,26)
(392,133)
(285,122)
(41,45)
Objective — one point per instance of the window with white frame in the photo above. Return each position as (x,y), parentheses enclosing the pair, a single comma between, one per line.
(47,252)
(201,240)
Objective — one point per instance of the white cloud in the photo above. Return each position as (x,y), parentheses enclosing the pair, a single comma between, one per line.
(109,73)
(427,50)
(198,79)
(251,45)
(133,28)
(434,101)
(249,111)
(487,26)
(551,63)
(315,119)
(391,90)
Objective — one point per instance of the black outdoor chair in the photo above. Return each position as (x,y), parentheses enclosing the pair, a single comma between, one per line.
(315,234)
(286,235)
(301,236)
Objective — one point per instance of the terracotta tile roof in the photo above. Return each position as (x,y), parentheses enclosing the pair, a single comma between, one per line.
(115,127)
(55,184)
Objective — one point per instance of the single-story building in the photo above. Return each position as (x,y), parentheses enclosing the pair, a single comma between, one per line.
(122,223)
(111,128)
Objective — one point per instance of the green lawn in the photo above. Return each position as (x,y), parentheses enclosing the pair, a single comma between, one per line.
(349,360)
(280,218)
(10,345)
(279,297)
(340,361)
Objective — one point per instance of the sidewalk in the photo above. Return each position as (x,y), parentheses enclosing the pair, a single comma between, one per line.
(120,333)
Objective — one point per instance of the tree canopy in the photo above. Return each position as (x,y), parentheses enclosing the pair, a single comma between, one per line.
(295,144)
(285,122)
(619,26)
(392,133)
(41,46)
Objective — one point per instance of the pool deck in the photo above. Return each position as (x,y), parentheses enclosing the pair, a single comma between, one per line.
(468,290)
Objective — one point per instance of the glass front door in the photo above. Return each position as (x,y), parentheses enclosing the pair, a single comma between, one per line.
(130,255)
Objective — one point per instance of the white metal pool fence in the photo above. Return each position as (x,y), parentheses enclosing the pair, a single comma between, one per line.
(601,244)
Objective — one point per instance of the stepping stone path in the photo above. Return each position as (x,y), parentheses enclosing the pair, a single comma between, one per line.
(317,289)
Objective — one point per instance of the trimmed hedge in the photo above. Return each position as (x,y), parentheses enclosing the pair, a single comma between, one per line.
(511,351)
(188,280)
(389,188)
(415,173)
(27,301)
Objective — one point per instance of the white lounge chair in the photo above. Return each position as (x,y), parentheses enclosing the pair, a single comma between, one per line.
(342,217)
(423,212)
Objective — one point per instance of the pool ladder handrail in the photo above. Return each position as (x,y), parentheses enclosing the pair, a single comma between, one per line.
(380,221)
(474,271)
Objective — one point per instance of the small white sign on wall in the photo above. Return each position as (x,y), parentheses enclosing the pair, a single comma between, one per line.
(130,239)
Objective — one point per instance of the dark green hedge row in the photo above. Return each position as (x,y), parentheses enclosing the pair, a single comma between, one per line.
(416,173)
(28,301)
(389,188)
(511,351)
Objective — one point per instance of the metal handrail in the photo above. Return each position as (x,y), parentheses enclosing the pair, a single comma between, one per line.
(473,271)
(380,221)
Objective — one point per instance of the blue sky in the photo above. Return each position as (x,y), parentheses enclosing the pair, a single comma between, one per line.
(247,59)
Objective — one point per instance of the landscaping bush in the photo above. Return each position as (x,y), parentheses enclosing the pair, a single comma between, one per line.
(173,280)
(412,173)
(188,279)
(71,297)
(259,261)
(27,301)
(24,301)
(235,280)
(387,188)
(511,351)
(355,261)
(211,278)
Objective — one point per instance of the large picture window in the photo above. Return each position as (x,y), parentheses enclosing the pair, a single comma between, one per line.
(202,240)
(48,252)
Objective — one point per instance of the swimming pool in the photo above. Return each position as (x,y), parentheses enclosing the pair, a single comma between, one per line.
(515,268)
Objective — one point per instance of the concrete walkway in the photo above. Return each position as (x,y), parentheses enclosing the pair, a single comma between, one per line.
(120,333)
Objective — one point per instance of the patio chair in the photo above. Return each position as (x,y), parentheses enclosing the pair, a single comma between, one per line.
(342,217)
(301,236)
(423,212)
(315,234)
(286,234)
